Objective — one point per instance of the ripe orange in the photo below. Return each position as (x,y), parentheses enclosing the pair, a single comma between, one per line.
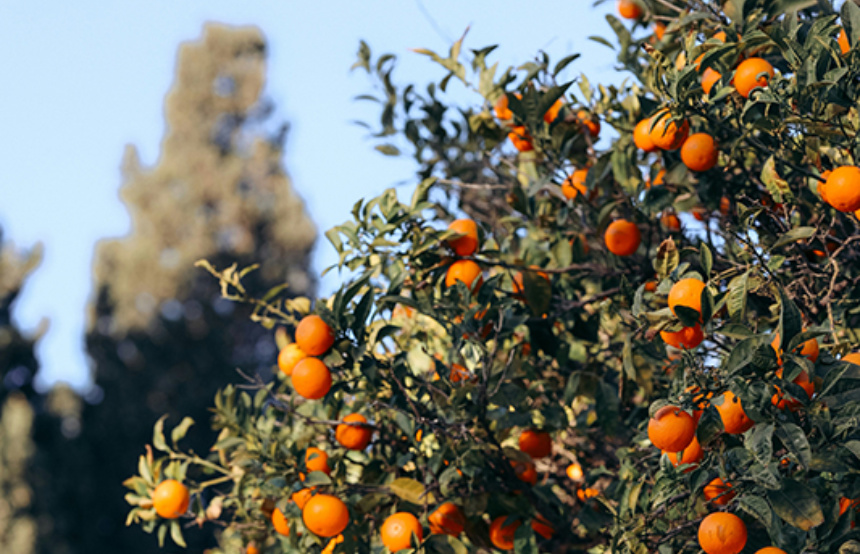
(590,122)
(668,134)
(289,356)
(719,492)
(722,533)
(464,271)
(468,243)
(842,189)
(537,444)
(659,30)
(553,111)
(629,9)
(447,519)
(251,549)
(398,529)
(526,472)
(808,350)
(301,496)
(670,221)
(853,358)
(316,460)
(459,373)
(700,213)
(314,336)
(575,184)
(325,515)
(725,205)
(687,337)
(501,108)
(329,548)
(518,286)
(699,152)
(586,493)
(735,420)
(170,499)
(651,286)
(501,535)
(642,136)
(622,237)
(844,45)
(311,379)
(709,79)
(659,179)
(770,550)
(280,523)
(686,293)
(542,527)
(752,73)
(574,472)
(353,437)
(671,429)
(692,454)
(521,138)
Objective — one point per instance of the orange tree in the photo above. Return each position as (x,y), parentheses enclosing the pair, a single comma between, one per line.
(561,343)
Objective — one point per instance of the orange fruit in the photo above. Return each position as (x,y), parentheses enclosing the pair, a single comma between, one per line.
(770,550)
(301,496)
(459,373)
(670,221)
(280,523)
(170,499)
(501,535)
(325,515)
(526,472)
(722,533)
(622,237)
(822,190)
(501,108)
(659,179)
(718,492)
(668,134)
(808,350)
(752,73)
(353,437)
(251,549)
(316,460)
(651,286)
(671,429)
(686,293)
(590,122)
(521,138)
(447,519)
(542,527)
(574,472)
(725,205)
(844,45)
(735,420)
(845,503)
(518,286)
(699,152)
(289,356)
(642,136)
(629,9)
(311,379)
(659,30)
(687,337)
(329,548)
(586,493)
(464,271)
(537,444)
(314,336)
(853,358)
(398,529)
(692,454)
(700,214)
(842,189)
(468,243)
(553,111)
(575,184)
(709,79)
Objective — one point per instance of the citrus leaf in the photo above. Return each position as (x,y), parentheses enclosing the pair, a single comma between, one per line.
(180,430)
(760,442)
(667,259)
(795,440)
(794,235)
(158,435)
(411,490)
(797,505)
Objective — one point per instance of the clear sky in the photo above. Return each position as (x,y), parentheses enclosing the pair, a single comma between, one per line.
(82,79)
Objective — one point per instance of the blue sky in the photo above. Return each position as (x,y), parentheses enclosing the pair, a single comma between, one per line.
(84,78)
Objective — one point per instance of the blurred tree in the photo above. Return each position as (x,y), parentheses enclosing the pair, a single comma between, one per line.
(160,338)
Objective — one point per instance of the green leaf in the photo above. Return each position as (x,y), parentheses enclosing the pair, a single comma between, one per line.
(706,258)
(388,149)
(736,299)
(795,440)
(757,507)
(790,319)
(180,430)
(315,478)
(412,491)
(176,533)
(760,442)
(667,260)
(793,235)
(776,185)
(158,435)
(796,504)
